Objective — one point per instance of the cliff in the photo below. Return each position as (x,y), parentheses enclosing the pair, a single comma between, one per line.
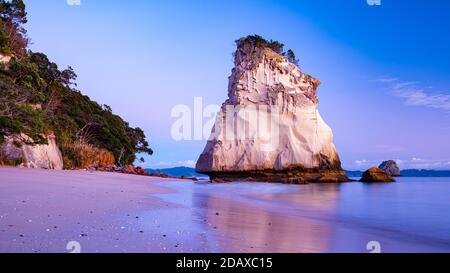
(269,129)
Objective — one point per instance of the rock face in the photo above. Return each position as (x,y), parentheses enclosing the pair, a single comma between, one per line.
(390,167)
(376,175)
(20,149)
(269,129)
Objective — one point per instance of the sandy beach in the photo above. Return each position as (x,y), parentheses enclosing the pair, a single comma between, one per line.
(42,211)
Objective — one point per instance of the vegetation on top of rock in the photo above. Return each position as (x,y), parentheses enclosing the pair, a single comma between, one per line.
(290,55)
(37,97)
(259,42)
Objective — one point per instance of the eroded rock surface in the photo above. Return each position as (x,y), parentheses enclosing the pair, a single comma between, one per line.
(20,149)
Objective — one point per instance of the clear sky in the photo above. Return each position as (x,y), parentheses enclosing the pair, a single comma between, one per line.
(385,70)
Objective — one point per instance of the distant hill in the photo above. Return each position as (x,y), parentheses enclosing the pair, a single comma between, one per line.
(425,173)
(190,172)
(354,173)
(178,172)
(410,173)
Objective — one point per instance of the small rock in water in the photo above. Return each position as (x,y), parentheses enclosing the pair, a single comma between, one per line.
(376,175)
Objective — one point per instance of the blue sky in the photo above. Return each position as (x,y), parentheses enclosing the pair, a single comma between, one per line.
(385,69)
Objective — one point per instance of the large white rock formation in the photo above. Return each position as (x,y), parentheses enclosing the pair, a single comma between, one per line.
(21,149)
(269,129)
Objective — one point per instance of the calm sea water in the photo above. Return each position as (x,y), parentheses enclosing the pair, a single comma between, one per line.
(411,215)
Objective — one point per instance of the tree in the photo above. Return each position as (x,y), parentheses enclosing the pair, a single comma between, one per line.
(13,11)
(26,74)
(140,142)
(276,46)
(13,16)
(290,55)
(68,77)
(48,70)
(107,108)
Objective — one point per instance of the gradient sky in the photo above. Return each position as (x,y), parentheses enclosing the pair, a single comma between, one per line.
(385,70)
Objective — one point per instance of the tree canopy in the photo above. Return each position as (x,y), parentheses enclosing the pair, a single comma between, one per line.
(258,41)
(13,35)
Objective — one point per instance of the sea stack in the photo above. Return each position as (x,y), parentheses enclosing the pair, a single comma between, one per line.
(269,129)
(391,168)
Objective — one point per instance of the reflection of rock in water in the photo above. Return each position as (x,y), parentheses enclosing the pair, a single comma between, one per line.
(319,197)
(254,228)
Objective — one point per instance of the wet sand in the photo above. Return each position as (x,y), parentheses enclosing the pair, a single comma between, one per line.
(42,211)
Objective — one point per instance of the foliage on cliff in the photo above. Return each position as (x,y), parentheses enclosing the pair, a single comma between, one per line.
(258,41)
(82,155)
(36,97)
